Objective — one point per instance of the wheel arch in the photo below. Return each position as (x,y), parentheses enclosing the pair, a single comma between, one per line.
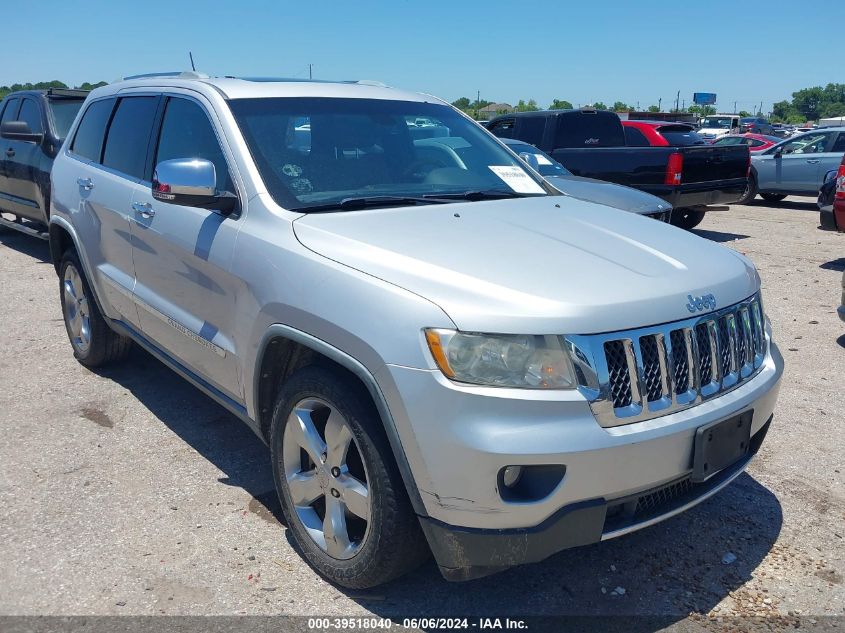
(283,350)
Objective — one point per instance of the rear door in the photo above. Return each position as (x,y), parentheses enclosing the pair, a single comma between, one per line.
(705,163)
(11,107)
(22,164)
(111,145)
(182,254)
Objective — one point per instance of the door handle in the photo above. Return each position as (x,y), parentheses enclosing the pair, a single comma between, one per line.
(145,209)
(10,152)
(813,161)
(85,183)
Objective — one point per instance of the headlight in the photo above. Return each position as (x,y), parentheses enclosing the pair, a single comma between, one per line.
(502,360)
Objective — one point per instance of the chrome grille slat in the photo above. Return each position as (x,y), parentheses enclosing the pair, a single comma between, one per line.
(637,375)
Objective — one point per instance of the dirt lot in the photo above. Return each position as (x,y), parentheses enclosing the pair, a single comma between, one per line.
(129,492)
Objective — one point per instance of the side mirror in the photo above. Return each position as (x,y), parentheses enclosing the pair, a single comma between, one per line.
(778,152)
(531,160)
(19,131)
(191,182)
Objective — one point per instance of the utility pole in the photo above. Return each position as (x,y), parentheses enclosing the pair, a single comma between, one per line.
(677,100)
(310,75)
(684,107)
(659,104)
(734,107)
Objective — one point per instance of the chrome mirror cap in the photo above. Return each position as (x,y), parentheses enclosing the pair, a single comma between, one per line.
(194,177)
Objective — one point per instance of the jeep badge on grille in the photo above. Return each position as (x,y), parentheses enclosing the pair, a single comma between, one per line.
(697,304)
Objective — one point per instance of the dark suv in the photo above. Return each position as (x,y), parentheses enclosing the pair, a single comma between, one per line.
(755,125)
(33,124)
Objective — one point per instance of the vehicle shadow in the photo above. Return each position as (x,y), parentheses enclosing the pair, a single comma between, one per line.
(719,236)
(789,203)
(841,341)
(834,264)
(207,427)
(666,571)
(26,244)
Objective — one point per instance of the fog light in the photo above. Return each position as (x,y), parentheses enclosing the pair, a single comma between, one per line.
(511,475)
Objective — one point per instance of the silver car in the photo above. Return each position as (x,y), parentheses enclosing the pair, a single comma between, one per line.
(444,354)
(796,166)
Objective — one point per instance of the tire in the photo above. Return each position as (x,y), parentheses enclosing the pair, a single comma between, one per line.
(94,342)
(327,482)
(687,218)
(750,191)
(773,197)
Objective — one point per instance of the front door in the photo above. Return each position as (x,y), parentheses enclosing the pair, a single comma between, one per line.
(185,291)
(22,166)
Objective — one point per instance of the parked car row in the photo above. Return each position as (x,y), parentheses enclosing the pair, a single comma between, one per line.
(444,353)
(593,144)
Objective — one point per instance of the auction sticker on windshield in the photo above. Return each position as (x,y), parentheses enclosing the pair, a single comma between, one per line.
(516,178)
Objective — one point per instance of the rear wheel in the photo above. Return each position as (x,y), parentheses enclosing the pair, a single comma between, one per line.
(687,218)
(773,197)
(94,342)
(750,190)
(341,493)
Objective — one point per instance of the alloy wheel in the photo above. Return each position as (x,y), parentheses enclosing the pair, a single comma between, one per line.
(77,315)
(326,478)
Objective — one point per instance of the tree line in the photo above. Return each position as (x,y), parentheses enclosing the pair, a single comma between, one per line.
(809,104)
(44,85)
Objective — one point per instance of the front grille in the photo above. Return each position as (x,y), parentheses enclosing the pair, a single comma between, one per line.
(641,374)
(619,376)
(651,368)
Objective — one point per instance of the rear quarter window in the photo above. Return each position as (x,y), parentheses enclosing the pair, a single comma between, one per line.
(680,136)
(88,141)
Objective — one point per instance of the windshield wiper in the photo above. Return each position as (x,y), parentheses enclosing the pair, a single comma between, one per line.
(366,202)
(487,194)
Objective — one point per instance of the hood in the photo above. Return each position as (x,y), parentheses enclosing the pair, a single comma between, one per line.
(545,265)
(608,193)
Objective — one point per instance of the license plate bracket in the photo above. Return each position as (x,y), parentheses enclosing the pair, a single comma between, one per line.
(720,444)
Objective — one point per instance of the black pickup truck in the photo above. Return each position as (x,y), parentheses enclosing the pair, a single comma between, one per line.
(33,125)
(591,143)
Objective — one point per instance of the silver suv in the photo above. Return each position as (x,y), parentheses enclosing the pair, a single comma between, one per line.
(443,353)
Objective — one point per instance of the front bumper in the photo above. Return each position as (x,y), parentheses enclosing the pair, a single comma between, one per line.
(459,438)
(465,553)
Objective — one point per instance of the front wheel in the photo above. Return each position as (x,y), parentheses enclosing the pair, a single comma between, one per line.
(750,190)
(341,492)
(687,218)
(773,197)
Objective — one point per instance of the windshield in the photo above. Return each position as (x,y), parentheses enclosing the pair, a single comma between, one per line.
(64,112)
(315,152)
(548,165)
(732,140)
(717,122)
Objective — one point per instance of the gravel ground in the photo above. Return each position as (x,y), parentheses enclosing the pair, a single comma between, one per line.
(128,492)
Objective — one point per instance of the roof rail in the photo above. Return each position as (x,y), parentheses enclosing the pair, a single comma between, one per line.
(184,74)
(371,82)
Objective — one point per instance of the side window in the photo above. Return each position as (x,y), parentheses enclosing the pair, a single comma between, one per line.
(839,144)
(88,142)
(10,113)
(503,128)
(635,138)
(186,132)
(129,135)
(31,114)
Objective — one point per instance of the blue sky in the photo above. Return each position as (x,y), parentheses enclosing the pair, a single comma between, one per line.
(582,52)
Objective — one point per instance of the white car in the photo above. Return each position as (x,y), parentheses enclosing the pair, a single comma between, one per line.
(716,125)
